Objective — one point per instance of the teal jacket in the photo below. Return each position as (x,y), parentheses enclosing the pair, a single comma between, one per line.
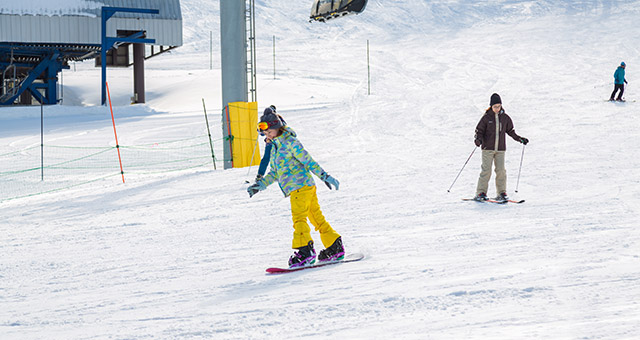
(619,75)
(291,165)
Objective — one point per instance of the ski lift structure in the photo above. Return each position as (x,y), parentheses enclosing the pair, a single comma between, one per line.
(38,44)
(323,10)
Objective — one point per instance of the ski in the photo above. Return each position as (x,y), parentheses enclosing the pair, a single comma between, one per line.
(494,201)
(485,201)
(509,201)
(348,258)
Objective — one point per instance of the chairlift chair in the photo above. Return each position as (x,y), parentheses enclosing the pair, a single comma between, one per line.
(323,10)
(9,86)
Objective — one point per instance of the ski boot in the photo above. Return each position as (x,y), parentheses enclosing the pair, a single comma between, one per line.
(303,257)
(333,253)
(481,197)
(502,197)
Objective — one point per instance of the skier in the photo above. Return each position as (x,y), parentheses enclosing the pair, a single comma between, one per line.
(267,148)
(619,82)
(291,166)
(490,134)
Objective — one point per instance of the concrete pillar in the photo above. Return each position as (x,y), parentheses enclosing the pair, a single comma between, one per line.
(138,73)
(233,49)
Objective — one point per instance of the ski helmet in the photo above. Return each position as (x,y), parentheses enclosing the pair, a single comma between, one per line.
(623,64)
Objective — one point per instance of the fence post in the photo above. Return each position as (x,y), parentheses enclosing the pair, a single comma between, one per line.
(368,71)
(114,131)
(210,51)
(209,132)
(41,142)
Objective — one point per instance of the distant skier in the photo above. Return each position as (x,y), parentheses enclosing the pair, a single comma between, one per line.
(619,82)
(291,166)
(490,134)
(267,149)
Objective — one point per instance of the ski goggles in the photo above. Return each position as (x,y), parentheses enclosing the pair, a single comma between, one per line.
(262,126)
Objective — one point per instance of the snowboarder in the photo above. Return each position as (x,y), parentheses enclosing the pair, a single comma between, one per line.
(490,134)
(619,82)
(291,166)
(267,148)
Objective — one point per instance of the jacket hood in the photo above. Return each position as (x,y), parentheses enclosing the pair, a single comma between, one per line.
(289,131)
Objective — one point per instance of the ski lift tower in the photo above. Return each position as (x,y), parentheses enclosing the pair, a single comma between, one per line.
(238,57)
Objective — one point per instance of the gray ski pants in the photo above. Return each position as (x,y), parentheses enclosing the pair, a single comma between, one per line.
(488,158)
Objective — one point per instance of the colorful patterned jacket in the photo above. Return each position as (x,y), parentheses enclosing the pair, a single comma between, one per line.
(291,165)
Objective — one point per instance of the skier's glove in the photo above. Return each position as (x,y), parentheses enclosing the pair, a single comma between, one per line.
(478,142)
(329,181)
(254,188)
(524,140)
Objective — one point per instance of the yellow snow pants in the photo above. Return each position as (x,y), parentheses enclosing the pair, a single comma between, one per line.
(304,204)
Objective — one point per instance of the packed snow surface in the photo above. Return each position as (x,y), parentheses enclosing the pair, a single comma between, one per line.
(182,255)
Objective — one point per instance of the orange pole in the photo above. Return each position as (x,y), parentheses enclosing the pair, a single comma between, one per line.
(114,131)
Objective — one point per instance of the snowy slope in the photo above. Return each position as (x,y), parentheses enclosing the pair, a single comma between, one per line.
(182,255)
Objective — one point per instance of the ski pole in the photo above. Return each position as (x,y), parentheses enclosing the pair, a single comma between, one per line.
(520,169)
(465,164)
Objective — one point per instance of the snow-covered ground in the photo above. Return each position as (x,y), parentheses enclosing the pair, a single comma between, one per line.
(181,255)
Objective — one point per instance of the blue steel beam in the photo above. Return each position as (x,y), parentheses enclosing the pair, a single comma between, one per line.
(48,62)
(112,41)
(33,89)
(108,42)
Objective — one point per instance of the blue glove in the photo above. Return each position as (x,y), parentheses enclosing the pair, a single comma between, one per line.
(329,181)
(524,140)
(254,188)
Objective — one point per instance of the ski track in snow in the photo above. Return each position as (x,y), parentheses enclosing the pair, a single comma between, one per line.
(182,255)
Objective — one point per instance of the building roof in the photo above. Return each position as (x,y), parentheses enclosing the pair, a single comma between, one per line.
(78,21)
(169,9)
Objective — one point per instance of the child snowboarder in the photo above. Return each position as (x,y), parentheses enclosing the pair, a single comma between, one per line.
(490,134)
(619,81)
(291,166)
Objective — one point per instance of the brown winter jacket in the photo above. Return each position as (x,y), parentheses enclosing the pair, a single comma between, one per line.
(486,131)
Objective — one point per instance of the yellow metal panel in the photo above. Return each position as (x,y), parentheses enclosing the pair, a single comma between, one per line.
(243,118)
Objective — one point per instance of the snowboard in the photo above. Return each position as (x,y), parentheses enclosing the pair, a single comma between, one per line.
(494,201)
(348,258)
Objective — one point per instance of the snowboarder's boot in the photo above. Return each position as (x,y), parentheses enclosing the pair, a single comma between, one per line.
(481,197)
(333,252)
(502,197)
(304,256)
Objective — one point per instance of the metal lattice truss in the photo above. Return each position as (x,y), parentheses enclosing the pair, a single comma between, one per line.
(35,67)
